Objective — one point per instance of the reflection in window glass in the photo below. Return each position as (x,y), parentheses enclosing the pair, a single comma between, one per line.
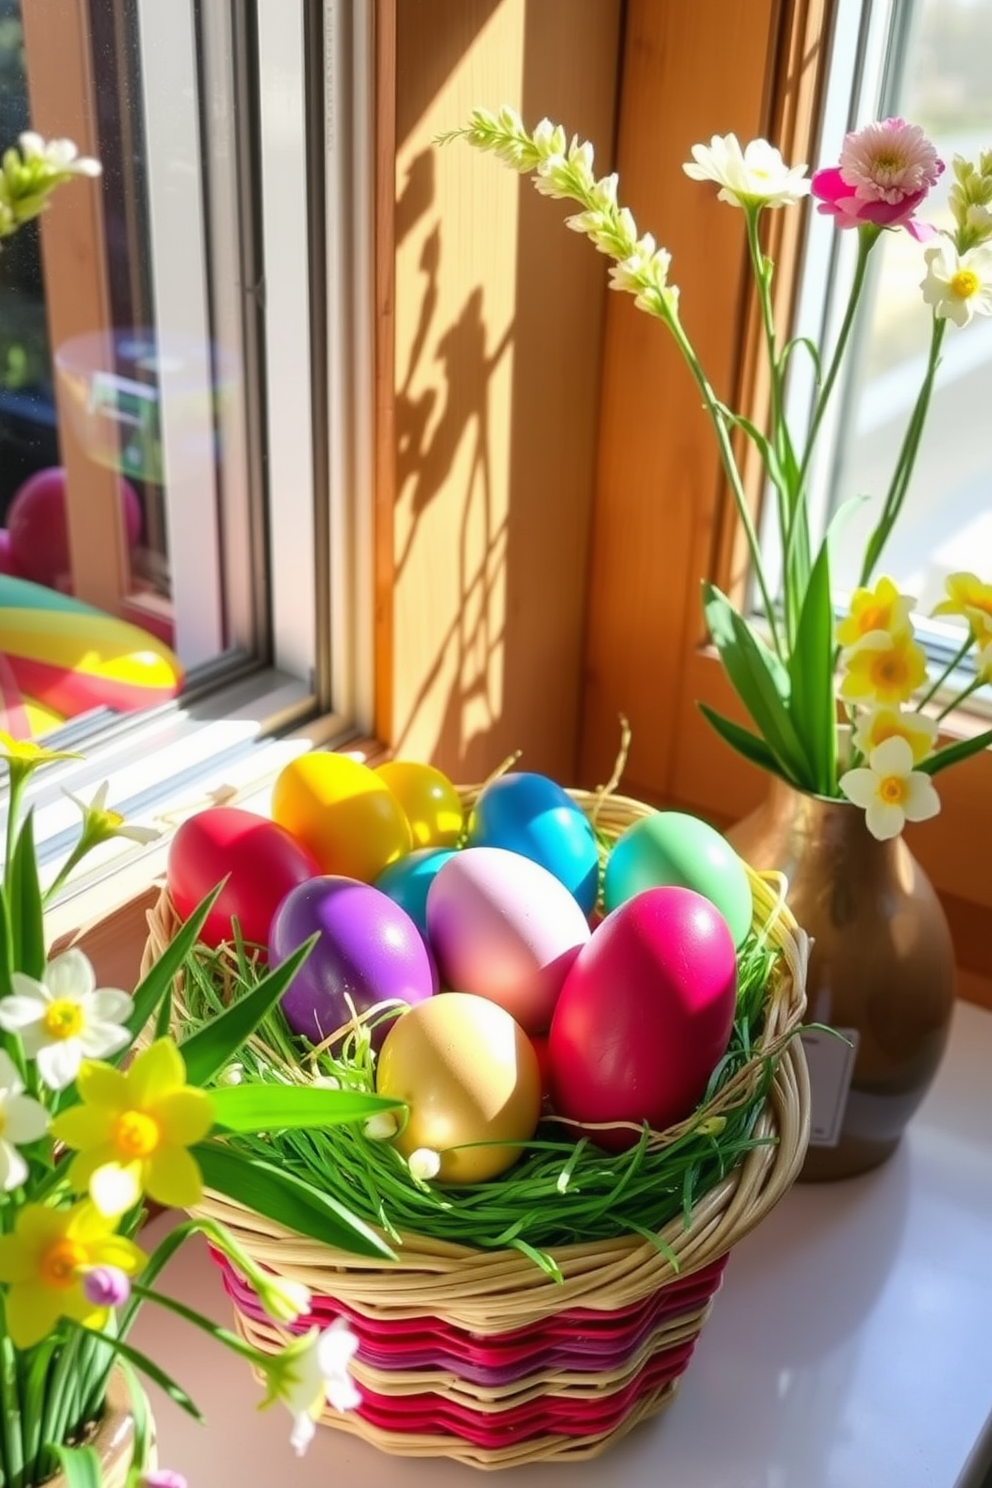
(126,539)
(946,523)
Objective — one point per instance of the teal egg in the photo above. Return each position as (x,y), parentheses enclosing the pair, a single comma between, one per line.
(407,880)
(675,848)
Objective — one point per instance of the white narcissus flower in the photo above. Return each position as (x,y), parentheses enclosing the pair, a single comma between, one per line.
(309,1371)
(22,1120)
(65,1017)
(958,286)
(101,823)
(890,791)
(754,176)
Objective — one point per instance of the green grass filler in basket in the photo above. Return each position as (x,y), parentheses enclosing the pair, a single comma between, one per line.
(589,1009)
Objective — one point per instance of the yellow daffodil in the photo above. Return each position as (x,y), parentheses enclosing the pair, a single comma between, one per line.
(881,608)
(44,1264)
(880,724)
(890,790)
(969,597)
(884,669)
(131,1131)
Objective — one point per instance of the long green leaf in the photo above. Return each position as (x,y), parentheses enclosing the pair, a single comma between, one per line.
(147,1366)
(760,681)
(264,1108)
(26,917)
(952,754)
(280,1195)
(751,746)
(813,707)
(210,1047)
(153,987)
(80,1466)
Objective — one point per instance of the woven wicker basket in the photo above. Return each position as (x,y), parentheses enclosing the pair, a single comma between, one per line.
(482,1357)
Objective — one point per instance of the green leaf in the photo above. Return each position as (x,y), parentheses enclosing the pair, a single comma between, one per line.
(147,1366)
(153,987)
(210,1047)
(751,746)
(280,1195)
(952,754)
(80,1466)
(760,681)
(264,1108)
(140,1414)
(807,345)
(813,708)
(26,916)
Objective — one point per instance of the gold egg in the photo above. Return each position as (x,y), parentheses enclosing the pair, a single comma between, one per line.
(468,1073)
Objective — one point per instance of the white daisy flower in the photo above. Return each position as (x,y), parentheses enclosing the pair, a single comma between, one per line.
(22,1120)
(756,175)
(65,1017)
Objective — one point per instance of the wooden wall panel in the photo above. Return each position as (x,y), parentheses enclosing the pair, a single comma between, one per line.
(498,315)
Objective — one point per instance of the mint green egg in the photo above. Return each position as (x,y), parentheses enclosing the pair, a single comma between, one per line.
(675,848)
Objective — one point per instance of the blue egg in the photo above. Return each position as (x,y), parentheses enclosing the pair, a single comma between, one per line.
(407,880)
(532,815)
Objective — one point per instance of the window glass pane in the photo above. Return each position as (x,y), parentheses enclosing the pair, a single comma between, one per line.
(126,481)
(945,526)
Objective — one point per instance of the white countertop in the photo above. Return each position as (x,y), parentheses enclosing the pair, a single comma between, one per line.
(850,1346)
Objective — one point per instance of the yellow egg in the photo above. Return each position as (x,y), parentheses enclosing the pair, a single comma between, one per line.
(433,807)
(343,812)
(468,1073)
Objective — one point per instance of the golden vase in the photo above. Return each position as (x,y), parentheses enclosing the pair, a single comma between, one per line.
(881,971)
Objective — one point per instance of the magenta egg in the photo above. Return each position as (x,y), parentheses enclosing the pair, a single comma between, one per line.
(368,951)
(645,1014)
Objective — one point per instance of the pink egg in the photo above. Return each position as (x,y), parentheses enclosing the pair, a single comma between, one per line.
(503,927)
(645,1014)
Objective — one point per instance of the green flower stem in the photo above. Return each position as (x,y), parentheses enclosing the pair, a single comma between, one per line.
(868,236)
(935,687)
(190,1315)
(10,1436)
(966,692)
(903,472)
(713,408)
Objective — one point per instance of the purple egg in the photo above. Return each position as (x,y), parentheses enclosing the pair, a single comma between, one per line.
(369,950)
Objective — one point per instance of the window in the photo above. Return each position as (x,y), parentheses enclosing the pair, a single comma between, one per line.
(187,339)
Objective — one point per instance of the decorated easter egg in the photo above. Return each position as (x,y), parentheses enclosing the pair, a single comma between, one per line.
(675,848)
(343,812)
(260,860)
(645,1014)
(469,1074)
(432,805)
(505,928)
(408,879)
(532,815)
(368,951)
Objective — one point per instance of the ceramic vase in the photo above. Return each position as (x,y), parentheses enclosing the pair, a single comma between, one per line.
(881,971)
(113,1438)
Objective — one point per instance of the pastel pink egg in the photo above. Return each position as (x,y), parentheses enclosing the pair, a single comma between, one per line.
(503,927)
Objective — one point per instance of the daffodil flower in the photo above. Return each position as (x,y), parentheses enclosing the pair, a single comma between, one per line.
(966,595)
(44,1264)
(22,1120)
(65,1017)
(890,790)
(131,1131)
(756,176)
(958,286)
(310,1371)
(883,668)
(101,824)
(874,727)
(22,756)
(881,608)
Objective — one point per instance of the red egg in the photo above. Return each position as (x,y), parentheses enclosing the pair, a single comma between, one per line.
(260,860)
(644,1015)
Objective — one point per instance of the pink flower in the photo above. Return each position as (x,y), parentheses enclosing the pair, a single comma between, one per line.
(884,174)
